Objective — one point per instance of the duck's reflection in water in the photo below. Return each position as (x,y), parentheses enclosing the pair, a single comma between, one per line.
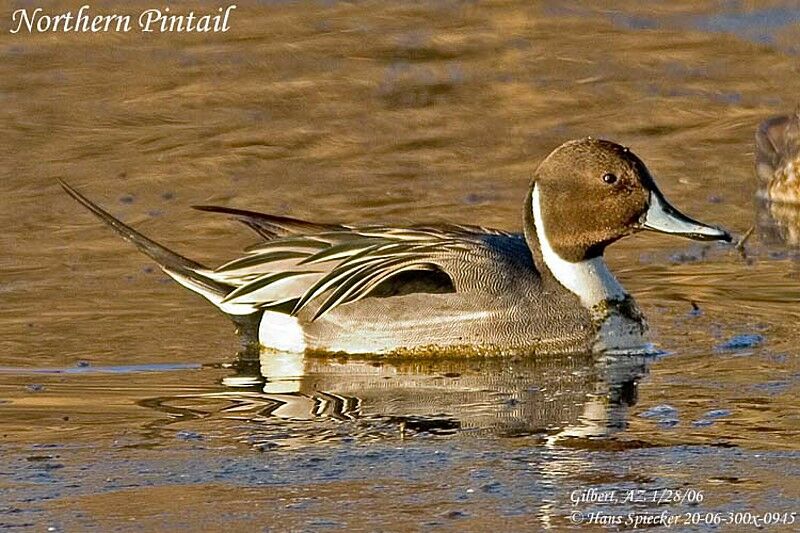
(300,397)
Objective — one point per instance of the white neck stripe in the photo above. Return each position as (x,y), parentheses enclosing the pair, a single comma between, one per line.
(590,279)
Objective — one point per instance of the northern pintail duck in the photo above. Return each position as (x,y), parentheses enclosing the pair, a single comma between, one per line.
(778,158)
(449,288)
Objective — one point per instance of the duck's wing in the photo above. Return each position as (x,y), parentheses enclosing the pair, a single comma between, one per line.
(324,270)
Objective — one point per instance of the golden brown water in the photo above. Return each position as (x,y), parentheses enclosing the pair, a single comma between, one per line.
(121,402)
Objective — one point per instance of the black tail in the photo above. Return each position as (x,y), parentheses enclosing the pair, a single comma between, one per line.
(271,226)
(185,271)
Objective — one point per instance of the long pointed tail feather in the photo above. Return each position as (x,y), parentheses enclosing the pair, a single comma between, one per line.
(270,226)
(185,271)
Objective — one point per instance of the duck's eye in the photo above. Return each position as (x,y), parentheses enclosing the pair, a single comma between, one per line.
(609,178)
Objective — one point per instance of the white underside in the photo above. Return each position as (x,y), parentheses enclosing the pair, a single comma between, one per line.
(590,280)
(279,331)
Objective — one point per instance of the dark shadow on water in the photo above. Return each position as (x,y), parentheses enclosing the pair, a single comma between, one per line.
(282,399)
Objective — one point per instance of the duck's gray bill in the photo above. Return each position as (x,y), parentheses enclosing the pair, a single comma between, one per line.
(662,217)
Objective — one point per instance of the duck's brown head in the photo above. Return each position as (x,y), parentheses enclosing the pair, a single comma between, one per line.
(589,193)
